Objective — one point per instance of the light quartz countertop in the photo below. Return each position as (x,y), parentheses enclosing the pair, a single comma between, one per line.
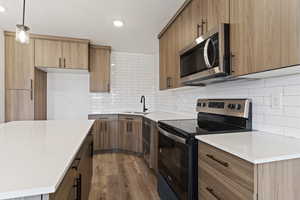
(155,115)
(35,155)
(256,147)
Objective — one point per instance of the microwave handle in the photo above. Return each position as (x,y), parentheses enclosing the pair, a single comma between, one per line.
(172,136)
(206,59)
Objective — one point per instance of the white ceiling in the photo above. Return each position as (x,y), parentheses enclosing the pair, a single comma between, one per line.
(92,19)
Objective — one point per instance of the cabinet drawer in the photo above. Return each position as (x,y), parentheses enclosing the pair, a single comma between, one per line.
(215,186)
(236,169)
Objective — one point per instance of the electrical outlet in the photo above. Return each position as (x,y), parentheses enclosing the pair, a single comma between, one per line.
(276,100)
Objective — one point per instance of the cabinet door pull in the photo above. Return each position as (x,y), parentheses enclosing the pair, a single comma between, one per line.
(59,62)
(169,85)
(231,62)
(211,191)
(64,62)
(225,164)
(31,89)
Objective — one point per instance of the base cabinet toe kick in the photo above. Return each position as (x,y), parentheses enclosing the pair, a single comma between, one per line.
(223,176)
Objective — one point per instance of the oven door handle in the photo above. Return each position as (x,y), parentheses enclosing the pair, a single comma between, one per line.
(172,136)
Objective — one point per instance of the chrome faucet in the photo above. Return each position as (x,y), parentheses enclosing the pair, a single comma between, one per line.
(143,100)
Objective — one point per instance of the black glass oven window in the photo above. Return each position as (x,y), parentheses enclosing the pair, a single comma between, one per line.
(173,164)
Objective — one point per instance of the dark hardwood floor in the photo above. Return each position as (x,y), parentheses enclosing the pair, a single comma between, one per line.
(122,177)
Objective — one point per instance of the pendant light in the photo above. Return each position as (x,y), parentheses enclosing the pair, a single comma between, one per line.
(22,31)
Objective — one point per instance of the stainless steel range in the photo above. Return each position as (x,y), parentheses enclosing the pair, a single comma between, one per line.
(178,149)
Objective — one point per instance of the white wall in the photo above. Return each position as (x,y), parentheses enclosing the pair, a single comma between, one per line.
(132,75)
(2,88)
(67,96)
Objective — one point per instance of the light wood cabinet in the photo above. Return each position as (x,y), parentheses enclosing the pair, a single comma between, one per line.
(25,94)
(19,105)
(225,176)
(169,58)
(214,12)
(60,53)
(264,35)
(130,132)
(19,64)
(100,68)
(48,53)
(75,55)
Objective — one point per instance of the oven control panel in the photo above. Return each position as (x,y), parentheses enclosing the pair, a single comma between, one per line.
(230,107)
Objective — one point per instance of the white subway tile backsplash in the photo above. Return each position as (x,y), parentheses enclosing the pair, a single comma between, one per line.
(133,75)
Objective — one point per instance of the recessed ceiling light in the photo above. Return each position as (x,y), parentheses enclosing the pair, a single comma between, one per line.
(118,23)
(2,9)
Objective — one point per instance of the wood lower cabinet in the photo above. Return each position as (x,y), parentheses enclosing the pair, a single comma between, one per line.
(227,177)
(77,182)
(100,68)
(105,133)
(130,132)
(150,143)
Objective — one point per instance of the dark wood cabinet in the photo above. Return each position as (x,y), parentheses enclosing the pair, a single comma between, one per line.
(105,133)
(77,182)
(130,132)
(150,143)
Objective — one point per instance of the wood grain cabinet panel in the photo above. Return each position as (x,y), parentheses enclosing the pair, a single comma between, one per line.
(48,53)
(217,12)
(19,64)
(19,105)
(264,35)
(227,177)
(130,133)
(100,68)
(75,55)
(105,133)
(290,35)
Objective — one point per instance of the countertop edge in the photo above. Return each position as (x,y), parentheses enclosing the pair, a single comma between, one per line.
(246,157)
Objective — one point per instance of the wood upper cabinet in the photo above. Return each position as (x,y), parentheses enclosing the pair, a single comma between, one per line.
(130,133)
(60,53)
(48,53)
(264,35)
(290,37)
(214,12)
(169,58)
(75,55)
(19,64)
(100,68)
(255,33)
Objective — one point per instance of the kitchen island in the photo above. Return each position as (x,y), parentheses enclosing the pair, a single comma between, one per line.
(38,155)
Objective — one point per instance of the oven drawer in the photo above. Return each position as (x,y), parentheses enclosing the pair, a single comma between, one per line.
(237,170)
(215,186)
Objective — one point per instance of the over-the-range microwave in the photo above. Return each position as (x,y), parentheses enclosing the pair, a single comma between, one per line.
(207,60)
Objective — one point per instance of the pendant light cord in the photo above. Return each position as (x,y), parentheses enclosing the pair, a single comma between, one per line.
(23,12)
